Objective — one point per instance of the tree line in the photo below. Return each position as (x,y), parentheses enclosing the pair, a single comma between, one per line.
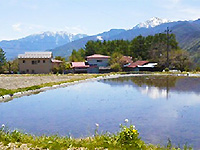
(151,48)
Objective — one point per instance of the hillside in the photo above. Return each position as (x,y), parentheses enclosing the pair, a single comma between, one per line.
(187,34)
(65,50)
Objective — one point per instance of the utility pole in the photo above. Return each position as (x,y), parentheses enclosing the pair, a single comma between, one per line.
(168,31)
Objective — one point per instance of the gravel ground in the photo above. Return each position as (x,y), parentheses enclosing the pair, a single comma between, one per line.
(22,81)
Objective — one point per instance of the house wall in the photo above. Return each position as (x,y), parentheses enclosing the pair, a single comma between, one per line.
(127,69)
(80,70)
(93,69)
(98,62)
(37,67)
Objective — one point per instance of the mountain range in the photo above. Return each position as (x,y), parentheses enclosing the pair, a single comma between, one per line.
(61,44)
(38,42)
(187,34)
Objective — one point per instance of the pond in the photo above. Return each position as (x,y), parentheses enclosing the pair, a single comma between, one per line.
(160,107)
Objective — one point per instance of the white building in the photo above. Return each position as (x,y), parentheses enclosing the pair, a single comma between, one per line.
(98,60)
(98,63)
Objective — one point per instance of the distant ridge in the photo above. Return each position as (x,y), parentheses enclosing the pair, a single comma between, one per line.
(38,42)
(187,34)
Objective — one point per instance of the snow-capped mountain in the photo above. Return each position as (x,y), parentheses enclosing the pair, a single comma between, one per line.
(152,22)
(187,33)
(38,42)
(59,34)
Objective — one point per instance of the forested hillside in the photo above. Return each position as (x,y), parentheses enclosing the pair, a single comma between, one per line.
(152,48)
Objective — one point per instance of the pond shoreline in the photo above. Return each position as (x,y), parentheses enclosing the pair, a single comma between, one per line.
(8,97)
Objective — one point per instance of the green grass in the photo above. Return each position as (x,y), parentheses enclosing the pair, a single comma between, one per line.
(125,139)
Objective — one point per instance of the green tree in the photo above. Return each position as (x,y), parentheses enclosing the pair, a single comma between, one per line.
(115,62)
(77,55)
(180,60)
(60,58)
(62,66)
(2,60)
(12,66)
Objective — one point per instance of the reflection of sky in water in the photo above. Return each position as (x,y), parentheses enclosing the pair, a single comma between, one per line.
(76,109)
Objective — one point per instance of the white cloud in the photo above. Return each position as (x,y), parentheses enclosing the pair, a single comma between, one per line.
(26,28)
(75,30)
(17,27)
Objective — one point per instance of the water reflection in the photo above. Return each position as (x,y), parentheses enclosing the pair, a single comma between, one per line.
(159,86)
(142,99)
(154,92)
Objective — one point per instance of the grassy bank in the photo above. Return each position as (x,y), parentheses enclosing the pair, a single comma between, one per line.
(127,138)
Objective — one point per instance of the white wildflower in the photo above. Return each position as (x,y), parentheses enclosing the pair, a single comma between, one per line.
(3,125)
(97,125)
(126,120)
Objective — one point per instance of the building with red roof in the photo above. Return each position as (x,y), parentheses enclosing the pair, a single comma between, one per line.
(79,67)
(141,66)
(137,63)
(98,63)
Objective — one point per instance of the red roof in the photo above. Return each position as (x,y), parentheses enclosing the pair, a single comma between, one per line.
(135,64)
(98,56)
(79,65)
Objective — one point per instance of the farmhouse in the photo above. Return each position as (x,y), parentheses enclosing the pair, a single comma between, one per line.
(98,63)
(37,62)
(79,67)
(140,66)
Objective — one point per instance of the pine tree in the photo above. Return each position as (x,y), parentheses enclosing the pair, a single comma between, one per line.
(2,59)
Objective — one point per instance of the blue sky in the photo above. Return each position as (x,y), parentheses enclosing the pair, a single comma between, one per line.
(20,18)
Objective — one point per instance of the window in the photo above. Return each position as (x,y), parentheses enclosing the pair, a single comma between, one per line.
(34,62)
(38,61)
(99,60)
(33,71)
(27,70)
(23,61)
(93,64)
(43,61)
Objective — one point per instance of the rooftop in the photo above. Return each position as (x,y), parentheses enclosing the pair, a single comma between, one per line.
(137,63)
(98,56)
(79,64)
(126,59)
(36,55)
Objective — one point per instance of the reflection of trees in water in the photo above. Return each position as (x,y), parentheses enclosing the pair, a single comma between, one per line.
(160,84)
(155,81)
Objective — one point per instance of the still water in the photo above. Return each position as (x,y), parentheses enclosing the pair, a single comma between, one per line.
(160,107)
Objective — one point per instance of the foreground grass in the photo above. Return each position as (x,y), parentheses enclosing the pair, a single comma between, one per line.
(127,138)
(12,91)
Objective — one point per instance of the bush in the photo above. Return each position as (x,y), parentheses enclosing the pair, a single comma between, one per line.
(166,69)
(116,67)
